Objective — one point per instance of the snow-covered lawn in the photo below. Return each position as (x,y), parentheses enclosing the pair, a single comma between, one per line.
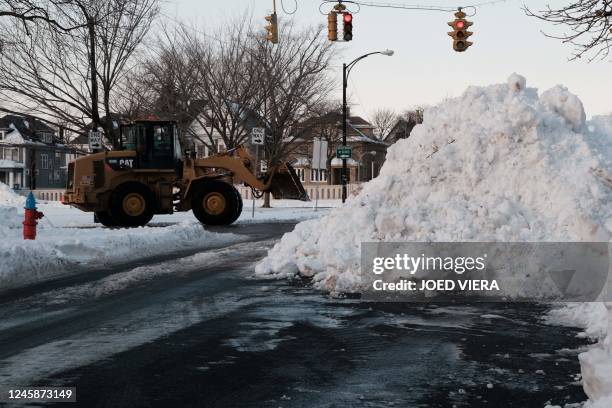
(69,241)
(59,215)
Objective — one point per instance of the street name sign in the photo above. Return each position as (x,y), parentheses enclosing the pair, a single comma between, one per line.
(344,152)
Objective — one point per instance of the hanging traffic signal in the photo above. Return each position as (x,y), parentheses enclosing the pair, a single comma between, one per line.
(332,26)
(272,28)
(460,33)
(347,19)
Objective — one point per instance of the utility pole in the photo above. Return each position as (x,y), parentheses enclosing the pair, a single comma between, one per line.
(344,118)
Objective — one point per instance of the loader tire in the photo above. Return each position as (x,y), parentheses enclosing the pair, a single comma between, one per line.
(132,205)
(105,218)
(216,203)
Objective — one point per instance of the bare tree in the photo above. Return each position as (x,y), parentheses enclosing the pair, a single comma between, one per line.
(383,121)
(210,83)
(294,80)
(58,75)
(589,23)
(231,83)
(166,83)
(118,36)
(27,11)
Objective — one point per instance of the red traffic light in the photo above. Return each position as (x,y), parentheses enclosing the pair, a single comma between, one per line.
(348,18)
(460,25)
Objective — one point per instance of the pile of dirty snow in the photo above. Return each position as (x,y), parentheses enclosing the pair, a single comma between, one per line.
(499,163)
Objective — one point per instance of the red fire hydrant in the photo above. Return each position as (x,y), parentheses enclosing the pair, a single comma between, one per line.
(31,218)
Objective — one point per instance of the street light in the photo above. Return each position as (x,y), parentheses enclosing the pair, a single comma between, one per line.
(346,70)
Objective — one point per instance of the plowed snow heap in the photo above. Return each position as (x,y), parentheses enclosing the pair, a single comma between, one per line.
(9,202)
(499,163)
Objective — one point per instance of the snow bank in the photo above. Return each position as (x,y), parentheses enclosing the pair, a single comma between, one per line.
(592,317)
(499,163)
(9,198)
(58,251)
(9,203)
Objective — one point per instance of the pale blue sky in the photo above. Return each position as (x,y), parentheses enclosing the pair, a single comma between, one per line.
(425,69)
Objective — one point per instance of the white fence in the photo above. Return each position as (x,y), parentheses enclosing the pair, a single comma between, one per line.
(326,192)
(44,195)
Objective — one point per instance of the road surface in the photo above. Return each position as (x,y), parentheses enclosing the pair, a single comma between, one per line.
(197,330)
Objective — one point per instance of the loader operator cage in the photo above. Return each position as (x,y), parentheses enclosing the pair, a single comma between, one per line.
(156,143)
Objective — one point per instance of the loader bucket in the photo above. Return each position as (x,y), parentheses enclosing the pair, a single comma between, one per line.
(287,185)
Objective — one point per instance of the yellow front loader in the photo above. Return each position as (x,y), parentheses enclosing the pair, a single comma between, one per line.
(152,175)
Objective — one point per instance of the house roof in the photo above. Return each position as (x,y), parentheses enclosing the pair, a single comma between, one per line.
(27,126)
(358,121)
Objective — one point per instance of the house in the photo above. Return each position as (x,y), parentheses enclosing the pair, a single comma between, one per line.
(368,152)
(196,136)
(31,154)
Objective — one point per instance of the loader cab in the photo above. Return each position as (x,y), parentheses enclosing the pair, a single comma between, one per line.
(156,143)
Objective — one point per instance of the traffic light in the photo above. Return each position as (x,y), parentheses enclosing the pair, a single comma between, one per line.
(272,28)
(332,26)
(347,19)
(460,33)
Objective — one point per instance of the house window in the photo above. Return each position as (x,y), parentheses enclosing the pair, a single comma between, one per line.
(44,161)
(2,134)
(201,151)
(46,137)
(221,146)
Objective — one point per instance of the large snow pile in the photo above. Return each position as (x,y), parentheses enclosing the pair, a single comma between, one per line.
(499,163)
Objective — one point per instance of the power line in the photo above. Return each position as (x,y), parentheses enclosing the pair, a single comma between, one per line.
(404,6)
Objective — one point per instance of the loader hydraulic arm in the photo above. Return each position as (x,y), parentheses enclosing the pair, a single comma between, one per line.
(281,179)
(239,162)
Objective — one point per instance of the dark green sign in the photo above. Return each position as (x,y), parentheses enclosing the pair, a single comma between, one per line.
(344,152)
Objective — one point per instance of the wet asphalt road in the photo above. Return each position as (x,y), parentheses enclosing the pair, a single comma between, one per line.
(200,331)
